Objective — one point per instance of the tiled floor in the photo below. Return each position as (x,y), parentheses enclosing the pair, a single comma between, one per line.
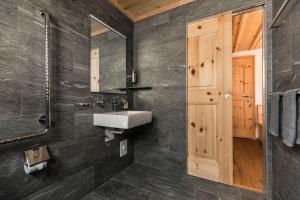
(138,182)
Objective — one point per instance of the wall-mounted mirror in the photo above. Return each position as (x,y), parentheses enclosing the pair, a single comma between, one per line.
(108,58)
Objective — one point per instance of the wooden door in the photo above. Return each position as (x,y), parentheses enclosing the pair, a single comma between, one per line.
(243,97)
(209,106)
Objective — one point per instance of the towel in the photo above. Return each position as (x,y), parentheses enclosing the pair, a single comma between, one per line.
(298,121)
(275,117)
(289,122)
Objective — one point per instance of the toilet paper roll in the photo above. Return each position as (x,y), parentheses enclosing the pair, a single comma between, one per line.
(37,167)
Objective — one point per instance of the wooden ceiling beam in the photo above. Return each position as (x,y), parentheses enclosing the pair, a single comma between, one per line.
(257,40)
(237,27)
(240,33)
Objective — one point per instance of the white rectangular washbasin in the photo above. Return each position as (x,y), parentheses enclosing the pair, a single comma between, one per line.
(123,119)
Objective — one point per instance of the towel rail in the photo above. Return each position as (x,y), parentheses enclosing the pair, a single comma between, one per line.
(46,16)
(282,94)
(272,25)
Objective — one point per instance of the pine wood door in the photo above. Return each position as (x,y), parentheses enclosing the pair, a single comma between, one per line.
(243,97)
(209,104)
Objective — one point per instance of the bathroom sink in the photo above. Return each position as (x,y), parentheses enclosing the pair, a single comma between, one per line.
(123,119)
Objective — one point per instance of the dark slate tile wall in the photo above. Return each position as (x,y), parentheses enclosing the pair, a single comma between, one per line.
(81,159)
(160,59)
(286,63)
(21,72)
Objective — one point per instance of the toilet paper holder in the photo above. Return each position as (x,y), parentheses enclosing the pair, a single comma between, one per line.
(36,159)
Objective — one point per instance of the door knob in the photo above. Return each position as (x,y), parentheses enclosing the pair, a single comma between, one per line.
(227,96)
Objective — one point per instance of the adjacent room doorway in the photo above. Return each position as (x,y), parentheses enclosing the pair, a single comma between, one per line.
(247,99)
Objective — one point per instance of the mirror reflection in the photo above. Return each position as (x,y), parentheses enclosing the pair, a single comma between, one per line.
(108,58)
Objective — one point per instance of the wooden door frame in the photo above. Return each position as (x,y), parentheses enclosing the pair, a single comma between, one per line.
(261,6)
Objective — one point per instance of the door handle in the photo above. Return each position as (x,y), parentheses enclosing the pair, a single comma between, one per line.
(228,96)
(246,96)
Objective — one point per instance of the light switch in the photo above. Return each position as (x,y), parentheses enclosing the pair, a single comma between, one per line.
(123,148)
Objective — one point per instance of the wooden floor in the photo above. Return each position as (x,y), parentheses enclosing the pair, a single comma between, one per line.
(248,163)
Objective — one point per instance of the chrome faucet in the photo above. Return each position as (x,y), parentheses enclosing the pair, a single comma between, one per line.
(119,104)
(100,103)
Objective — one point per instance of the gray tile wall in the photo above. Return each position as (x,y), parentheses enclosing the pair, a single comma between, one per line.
(160,60)
(80,158)
(286,59)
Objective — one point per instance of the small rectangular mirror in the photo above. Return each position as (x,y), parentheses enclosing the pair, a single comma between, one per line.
(108,58)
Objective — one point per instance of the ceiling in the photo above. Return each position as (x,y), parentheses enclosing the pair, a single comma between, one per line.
(247,31)
(97,28)
(140,9)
